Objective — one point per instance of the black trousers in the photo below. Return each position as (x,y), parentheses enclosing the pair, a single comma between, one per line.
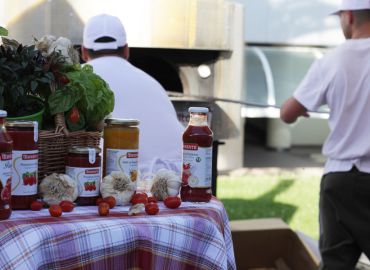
(344,219)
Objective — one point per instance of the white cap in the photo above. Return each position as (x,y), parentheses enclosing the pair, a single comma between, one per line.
(104,25)
(352,5)
(3,113)
(198,109)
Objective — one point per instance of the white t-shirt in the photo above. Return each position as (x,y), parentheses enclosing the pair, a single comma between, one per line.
(139,96)
(341,80)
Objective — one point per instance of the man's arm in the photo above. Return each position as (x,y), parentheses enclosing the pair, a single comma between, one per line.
(291,110)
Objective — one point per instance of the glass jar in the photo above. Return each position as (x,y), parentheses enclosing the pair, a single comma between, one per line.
(197,158)
(83,164)
(121,146)
(6,147)
(25,162)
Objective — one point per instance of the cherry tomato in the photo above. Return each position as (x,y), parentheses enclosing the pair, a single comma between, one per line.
(151,208)
(55,210)
(111,201)
(67,206)
(172,202)
(36,206)
(139,198)
(152,199)
(99,200)
(103,209)
(74,115)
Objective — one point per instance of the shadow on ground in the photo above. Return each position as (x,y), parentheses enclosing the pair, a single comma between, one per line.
(263,206)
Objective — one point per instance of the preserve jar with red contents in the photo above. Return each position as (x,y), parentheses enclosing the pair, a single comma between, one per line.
(6,148)
(83,164)
(197,158)
(25,162)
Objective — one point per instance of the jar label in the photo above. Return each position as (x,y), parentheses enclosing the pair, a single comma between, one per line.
(197,166)
(24,181)
(122,160)
(5,176)
(87,179)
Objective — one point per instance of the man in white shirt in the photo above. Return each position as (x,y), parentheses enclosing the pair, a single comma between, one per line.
(137,95)
(341,80)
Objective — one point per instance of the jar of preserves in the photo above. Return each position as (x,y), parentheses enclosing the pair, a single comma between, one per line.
(6,148)
(197,157)
(121,146)
(83,164)
(25,162)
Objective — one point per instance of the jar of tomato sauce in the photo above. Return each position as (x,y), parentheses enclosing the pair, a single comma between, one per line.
(121,146)
(25,162)
(197,157)
(83,164)
(6,148)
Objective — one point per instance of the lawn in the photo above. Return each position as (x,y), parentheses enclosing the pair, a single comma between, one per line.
(290,195)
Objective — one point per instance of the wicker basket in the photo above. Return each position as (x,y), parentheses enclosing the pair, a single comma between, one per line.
(53,146)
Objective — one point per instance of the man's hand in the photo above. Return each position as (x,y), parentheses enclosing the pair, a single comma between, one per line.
(291,110)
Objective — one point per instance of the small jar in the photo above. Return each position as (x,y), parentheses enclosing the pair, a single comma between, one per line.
(83,164)
(25,162)
(121,146)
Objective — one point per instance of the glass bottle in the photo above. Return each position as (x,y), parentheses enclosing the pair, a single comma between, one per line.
(197,157)
(6,148)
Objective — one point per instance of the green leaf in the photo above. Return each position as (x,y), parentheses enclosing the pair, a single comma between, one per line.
(63,100)
(34,85)
(3,31)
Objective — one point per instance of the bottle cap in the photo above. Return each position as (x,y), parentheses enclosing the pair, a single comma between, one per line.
(3,113)
(198,110)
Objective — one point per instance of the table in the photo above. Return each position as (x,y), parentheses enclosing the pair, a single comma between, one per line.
(194,236)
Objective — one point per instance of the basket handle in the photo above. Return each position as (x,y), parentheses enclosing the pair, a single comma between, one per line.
(59,119)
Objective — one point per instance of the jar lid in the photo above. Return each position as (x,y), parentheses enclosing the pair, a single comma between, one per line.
(83,149)
(122,121)
(198,109)
(3,113)
(20,123)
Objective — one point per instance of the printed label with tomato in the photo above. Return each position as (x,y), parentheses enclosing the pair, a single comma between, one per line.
(5,176)
(87,179)
(197,166)
(24,181)
(122,160)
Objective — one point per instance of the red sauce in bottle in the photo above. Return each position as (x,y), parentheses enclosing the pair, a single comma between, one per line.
(83,164)
(197,158)
(6,147)
(25,162)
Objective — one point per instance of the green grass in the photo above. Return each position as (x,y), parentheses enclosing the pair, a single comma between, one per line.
(292,197)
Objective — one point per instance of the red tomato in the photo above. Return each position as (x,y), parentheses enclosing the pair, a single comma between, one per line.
(99,200)
(36,206)
(103,209)
(151,208)
(74,115)
(67,206)
(139,198)
(152,199)
(111,201)
(172,202)
(55,210)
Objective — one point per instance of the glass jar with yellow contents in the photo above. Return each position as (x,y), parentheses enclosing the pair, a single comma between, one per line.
(121,146)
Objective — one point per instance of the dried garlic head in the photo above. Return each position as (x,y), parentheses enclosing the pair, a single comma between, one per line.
(56,187)
(118,185)
(165,183)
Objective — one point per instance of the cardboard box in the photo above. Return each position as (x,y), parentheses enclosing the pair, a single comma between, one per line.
(270,244)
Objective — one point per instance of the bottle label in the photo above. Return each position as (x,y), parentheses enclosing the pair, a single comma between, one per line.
(24,181)
(5,176)
(87,180)
(197,166)
(122,160)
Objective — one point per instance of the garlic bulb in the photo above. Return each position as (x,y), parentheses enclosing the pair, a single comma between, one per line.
(136,209)
(55,188)
(118,185)
(165,183)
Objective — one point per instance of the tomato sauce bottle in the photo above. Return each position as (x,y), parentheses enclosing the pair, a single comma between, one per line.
(6,147)
(25,162)
(197,158)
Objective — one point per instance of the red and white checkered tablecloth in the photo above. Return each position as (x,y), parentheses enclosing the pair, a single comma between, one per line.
(194,236)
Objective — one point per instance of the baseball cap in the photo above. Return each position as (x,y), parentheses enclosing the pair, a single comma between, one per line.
(100,26)
(352,5)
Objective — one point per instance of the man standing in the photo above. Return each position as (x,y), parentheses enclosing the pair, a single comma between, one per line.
(341,80)
(137,95)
